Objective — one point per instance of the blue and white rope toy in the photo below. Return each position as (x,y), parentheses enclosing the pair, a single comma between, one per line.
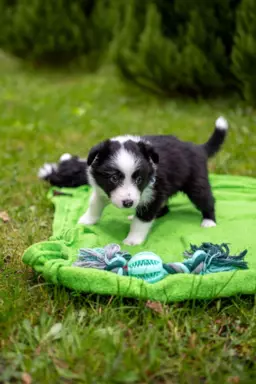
(208,258)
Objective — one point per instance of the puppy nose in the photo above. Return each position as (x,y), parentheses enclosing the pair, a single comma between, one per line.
(127,203)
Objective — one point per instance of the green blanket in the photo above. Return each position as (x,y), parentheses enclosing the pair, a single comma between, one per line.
(170,236)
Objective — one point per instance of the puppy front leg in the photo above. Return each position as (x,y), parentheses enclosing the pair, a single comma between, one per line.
(96,205)
(143,221)
(138,231)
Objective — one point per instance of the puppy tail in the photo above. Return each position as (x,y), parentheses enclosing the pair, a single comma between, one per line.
(213,145)
(69,172)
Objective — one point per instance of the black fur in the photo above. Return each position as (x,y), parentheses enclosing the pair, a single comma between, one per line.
(182,168)
(179,167)
(69,173)
(107,177)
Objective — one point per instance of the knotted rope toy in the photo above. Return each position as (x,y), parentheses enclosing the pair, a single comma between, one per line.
(207,258)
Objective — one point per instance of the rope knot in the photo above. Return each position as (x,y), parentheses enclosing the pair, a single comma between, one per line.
(109,258)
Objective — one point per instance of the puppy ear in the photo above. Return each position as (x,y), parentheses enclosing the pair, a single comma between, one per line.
(148,151)
(101,149)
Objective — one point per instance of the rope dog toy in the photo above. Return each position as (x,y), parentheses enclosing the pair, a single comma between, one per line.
(207,258)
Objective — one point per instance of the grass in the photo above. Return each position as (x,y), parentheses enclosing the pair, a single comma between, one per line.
(51,335)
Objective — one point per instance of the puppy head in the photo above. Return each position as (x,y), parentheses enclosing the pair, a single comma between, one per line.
(122,169)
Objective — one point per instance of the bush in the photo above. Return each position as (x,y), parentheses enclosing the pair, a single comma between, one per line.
(244,51)
(189,53)
(166,46)
(52,32)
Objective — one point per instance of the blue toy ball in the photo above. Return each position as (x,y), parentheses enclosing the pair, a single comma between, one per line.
(146,266)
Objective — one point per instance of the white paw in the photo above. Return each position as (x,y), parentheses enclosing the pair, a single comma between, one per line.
(65,157)
(46,170)
(133,240)
(87,219)
(131,217)
(208,223)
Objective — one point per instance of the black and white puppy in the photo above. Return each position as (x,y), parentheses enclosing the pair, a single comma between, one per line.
(142,173)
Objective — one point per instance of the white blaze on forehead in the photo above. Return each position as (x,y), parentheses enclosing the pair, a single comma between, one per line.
(124,138)
(126,162)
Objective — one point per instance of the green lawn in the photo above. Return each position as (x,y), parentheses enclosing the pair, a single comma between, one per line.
(53,335)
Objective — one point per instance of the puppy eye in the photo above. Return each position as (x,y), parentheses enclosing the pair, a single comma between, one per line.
(114,179)
(138,180)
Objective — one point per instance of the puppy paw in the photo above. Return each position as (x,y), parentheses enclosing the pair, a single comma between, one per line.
(46,170)
(133,240)
(208,223)
(87,219)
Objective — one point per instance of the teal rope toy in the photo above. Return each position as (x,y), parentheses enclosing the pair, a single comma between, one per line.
(202,260)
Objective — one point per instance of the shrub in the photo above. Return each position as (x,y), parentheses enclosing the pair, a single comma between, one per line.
(244,51)
(189,54)
(166,46)
(52,32)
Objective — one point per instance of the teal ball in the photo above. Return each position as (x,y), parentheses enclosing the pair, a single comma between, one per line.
(146,266)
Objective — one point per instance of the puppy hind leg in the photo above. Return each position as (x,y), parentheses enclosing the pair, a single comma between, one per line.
(201,196)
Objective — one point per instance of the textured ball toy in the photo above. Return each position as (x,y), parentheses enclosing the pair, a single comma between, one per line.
(146,266)
(207,258)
